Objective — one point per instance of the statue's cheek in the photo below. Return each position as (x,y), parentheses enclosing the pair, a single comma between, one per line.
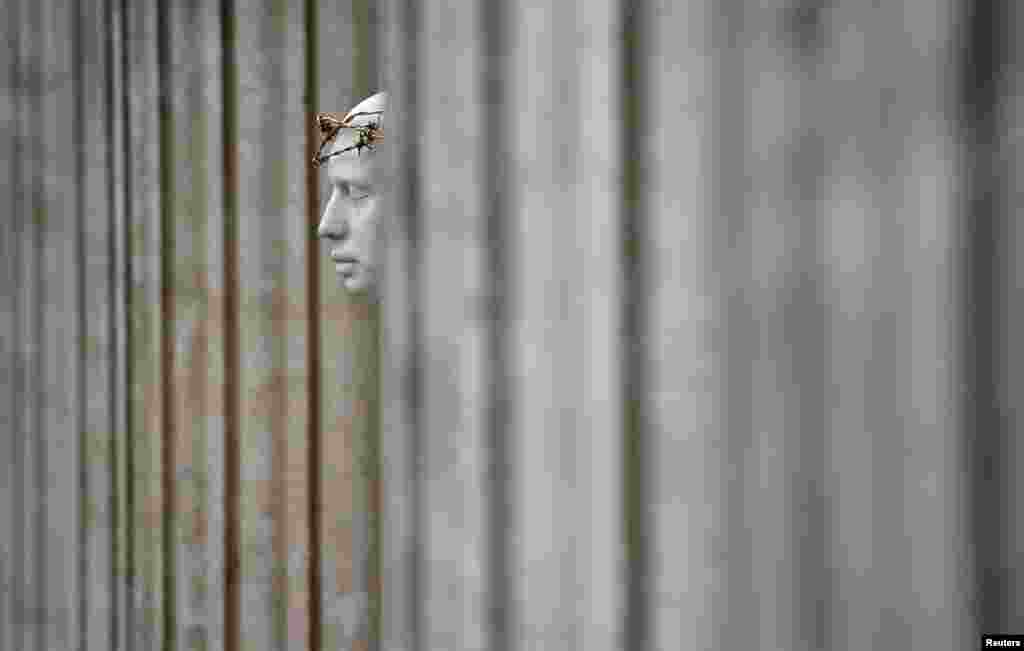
(373,210)
(367,212)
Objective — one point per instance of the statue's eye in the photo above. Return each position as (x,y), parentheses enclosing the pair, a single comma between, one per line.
(353,192)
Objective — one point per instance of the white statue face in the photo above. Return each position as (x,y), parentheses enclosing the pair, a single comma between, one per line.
(351,218)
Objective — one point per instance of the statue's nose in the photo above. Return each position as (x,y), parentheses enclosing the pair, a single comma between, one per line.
(332,229)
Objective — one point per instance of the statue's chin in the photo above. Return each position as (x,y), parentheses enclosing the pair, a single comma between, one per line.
(359,282)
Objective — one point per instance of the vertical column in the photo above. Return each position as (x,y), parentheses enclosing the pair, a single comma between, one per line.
(345,64)
(192,133)
(854,265)
(24,277)
(457,370)
(117,99)
(938,601)
(889,237)
(274,379)
(147,390)
(939,604)
(401,377)
(61,425)
(683,329)
(9,189)
(987,83)
(565,281)
(35,403)
(95,215)
(56,182)
(768,156)
(27,315)
(1012,280)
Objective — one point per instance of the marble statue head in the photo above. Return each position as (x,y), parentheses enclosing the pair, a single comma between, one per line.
(351,218)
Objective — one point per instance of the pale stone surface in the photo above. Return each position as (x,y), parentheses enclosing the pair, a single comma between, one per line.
(351,218)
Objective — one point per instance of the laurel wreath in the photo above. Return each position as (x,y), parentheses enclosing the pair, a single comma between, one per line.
(329,125)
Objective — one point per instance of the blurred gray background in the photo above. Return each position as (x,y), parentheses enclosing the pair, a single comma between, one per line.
(696,329)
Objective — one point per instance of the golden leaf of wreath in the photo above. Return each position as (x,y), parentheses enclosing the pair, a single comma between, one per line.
(329,125)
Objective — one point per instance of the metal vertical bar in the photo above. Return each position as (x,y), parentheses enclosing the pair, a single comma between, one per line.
(98,304)
(32,301)
(401,375)
(455,326)
(146,326)
(9,189)
(683,314)
(344,50)
(1010,157)
(273,326)
(14,633)
(194,210)
(565,288)
(119,192)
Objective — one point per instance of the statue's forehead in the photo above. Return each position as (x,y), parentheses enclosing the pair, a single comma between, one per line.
(354,161)
(352,166)
(372,104)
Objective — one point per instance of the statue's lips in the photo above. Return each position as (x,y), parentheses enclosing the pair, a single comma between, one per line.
(345,264)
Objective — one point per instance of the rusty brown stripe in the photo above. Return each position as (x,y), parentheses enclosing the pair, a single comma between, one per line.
(634,374)
(128,448)
(313,334)
(167,330)
(231,452)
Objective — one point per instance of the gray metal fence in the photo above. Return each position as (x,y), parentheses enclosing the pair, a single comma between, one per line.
(697,328)
(189,398)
